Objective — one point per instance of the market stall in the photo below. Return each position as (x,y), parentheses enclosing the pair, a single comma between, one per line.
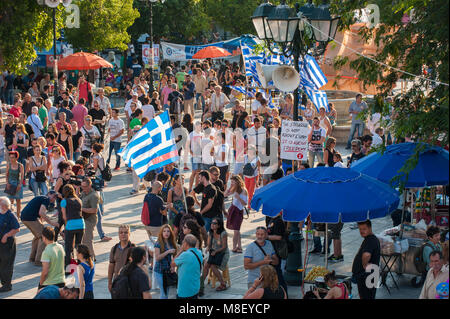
(300,195)
(427,203)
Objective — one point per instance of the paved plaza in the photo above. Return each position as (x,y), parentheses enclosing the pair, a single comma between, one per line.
(122,208)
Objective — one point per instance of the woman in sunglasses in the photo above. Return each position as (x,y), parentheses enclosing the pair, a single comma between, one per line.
(65,139)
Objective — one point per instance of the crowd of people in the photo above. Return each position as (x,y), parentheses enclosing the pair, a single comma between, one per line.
(57,148)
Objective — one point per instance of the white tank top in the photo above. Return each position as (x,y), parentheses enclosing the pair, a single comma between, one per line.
(237,203)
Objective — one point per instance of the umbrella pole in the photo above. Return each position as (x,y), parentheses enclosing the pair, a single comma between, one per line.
(403,212)
(326,245)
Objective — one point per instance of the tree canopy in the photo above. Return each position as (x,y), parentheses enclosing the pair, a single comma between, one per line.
(103,25)
(416,46)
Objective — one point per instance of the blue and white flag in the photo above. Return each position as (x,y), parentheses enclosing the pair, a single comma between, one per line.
(241,89)
(314,72)
(318,98)
(152,147)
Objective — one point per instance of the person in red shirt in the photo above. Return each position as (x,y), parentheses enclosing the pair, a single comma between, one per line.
(62,121)
(16,109)
(84,88)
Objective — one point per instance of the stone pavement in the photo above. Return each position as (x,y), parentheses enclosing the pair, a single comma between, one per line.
(121,208)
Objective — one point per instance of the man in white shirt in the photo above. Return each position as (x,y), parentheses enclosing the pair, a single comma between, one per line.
(195,143)
(148,109)
(376,138)
(35,122)
(104,102)
(256,104)
(222,152)
(127,109)
(116,129)
(218,102)
(256,135)
(316,138)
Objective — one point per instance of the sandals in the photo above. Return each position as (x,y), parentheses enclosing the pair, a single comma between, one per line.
(237,251)
(222,287)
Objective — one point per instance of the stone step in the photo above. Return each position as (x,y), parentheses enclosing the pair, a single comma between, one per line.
(341,133)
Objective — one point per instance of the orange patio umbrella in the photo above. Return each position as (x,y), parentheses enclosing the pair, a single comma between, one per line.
(83,61)
(211,52)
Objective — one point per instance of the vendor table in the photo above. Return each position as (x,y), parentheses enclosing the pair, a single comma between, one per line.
(388,262)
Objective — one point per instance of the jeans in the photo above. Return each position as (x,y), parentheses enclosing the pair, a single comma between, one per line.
(207,221)
(199,98)
(7,257)
(69,237)
(9,96)
(360,127)
(312,155)
(114,146)
(318,243)
(76,156)
(38,188)
(100,212)
(159,282)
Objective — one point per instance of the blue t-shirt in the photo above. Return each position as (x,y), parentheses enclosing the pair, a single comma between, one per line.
(8,222)
(189,272)
(31,212)
(49,292)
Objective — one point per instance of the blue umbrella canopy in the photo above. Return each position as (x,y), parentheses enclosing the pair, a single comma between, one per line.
(327,194)
(431,168)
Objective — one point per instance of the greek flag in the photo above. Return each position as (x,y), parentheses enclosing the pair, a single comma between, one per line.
(314,72)
(318,98)
(242,90)
(152,147)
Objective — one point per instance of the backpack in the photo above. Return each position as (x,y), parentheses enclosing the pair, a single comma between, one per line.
(106,173)
(145,214)
(176,105)
(419,262)
(248,169)
(121,288)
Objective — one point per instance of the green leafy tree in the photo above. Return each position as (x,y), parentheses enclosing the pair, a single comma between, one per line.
(24,26)
(421,111)
(103,25)
(174,20)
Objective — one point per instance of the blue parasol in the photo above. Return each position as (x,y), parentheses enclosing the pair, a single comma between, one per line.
(327,194)
(431,169)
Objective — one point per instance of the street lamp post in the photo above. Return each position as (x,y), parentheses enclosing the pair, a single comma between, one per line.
(291,30)
(54,5)
(151,2)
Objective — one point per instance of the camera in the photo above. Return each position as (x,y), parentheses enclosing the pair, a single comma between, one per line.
(97,184)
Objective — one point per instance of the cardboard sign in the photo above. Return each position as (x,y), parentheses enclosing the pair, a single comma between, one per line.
(294,140)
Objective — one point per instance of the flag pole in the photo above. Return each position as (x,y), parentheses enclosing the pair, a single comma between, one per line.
(180,172)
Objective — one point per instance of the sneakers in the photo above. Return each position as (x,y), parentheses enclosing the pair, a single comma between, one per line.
(315,251)
(117,169)
(335,259)
(6,288)
(186,168)
(134,192)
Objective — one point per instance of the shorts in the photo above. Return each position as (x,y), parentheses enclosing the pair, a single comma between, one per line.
(206,167)
(238,168)
(196,165)
(335,230)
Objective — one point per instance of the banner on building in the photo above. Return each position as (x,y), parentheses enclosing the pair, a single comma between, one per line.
(181,52)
